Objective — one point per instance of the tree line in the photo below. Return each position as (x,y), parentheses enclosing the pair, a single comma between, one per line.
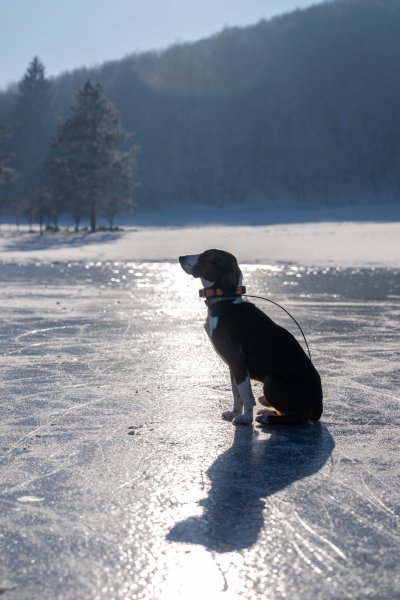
(304,107)
(82,167)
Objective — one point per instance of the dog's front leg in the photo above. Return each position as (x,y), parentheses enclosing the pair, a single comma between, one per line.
(247,399)
(237,409)
(243,400)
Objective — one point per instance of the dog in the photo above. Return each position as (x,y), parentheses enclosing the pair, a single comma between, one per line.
(254,347)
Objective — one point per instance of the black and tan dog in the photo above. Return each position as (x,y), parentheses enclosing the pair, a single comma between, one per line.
(254,347)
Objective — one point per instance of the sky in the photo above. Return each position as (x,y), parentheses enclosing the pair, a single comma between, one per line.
(67,34)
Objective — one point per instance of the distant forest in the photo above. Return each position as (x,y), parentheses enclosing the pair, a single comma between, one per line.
(304,106)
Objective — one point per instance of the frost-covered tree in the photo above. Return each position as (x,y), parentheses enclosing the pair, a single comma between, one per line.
(32,126)
(7,173)
(89,169)
(120,184)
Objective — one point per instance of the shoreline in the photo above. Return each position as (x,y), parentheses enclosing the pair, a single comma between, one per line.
(340,243)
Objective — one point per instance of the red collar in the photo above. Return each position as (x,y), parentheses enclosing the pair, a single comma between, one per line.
(211,292)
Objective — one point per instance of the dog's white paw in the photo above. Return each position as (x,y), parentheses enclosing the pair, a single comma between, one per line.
(243,420)
(229,415)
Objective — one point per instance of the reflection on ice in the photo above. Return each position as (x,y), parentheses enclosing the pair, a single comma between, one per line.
(194,574)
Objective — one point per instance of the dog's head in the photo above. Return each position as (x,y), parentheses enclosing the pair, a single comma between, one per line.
(215,268)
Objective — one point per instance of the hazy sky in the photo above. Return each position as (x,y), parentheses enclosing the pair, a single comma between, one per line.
(71,33)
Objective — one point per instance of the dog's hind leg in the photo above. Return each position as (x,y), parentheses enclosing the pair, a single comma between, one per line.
(287,402)
(279,419)
(264,402)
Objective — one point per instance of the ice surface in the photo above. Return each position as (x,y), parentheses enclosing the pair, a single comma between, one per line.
(120,480)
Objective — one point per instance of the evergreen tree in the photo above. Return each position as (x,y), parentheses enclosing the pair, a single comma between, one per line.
(118,191)
(7,173)
(44,208)
(32,128)
(90,172)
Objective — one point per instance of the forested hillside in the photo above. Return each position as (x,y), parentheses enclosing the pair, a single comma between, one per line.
(306,106)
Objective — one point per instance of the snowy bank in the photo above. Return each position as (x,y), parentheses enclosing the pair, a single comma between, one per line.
(313,243)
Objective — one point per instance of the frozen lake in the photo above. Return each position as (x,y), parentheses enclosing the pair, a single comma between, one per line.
(120,480)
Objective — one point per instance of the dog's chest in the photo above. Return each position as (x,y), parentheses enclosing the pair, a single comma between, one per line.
(214,321)
(210,325)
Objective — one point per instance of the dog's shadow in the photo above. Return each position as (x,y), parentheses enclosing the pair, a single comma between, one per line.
(247,473)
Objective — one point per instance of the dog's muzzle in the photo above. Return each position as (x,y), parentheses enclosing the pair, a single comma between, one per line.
(188,262)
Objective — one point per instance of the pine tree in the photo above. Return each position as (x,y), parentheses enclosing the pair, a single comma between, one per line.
(7,173)
(33,123)
(89,169)
(120,184)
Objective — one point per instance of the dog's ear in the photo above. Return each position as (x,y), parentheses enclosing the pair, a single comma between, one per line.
(228,271)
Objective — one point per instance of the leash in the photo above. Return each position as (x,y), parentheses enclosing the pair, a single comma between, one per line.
(288,313)
(209,293)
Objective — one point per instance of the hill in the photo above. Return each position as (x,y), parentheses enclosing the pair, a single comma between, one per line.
(305,106)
